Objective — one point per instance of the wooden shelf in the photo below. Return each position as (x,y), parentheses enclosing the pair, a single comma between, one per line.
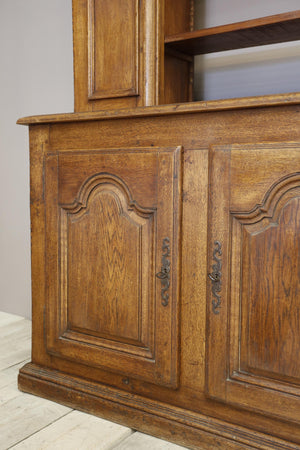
(251,33)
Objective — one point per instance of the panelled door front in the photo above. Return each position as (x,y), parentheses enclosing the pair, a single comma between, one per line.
(112,260)
(254,278)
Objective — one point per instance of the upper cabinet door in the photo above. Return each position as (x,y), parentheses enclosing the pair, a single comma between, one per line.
(112,256)
(117,53)
(254,278)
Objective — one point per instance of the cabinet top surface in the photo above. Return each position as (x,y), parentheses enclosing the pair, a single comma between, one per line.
(177,108)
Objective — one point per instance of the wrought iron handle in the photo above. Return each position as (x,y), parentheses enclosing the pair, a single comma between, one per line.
(164,274)
(215,277)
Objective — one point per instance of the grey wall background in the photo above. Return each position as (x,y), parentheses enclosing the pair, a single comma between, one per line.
(36,78)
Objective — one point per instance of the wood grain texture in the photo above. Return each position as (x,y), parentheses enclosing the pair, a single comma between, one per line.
(194,255)
(113,39)
(271,314)
(84,148)
(177,16)
(118,47)
(131,209)
(178,70)
(251,357)
(111,308)
(250,33)
(177,79)
(103,250)
(193,131)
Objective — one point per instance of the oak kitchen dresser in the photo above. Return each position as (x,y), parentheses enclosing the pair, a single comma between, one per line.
(166,236)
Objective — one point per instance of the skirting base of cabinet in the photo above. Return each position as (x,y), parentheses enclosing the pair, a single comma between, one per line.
(175,424)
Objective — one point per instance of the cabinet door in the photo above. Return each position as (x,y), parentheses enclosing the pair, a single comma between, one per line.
(117,53)
(112,260)
(254,278)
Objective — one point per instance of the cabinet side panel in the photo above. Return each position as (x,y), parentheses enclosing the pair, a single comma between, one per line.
(178,69)
(39,141)
(178,80)
(178,16)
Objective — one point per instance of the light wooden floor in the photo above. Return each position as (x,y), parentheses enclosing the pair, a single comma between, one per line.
(29,422)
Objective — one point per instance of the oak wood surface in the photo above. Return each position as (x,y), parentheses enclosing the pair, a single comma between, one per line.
(174,424)
(178,70)
(195,132)
(126,208)
(250,33)
(117,47)
(104,307)
(162,110)
(254,218)
(113,48)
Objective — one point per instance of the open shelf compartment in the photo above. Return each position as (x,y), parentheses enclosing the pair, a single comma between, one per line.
(250,33)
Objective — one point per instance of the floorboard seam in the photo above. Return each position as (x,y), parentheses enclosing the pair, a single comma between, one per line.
(116,444)
(38,431)
(16,364)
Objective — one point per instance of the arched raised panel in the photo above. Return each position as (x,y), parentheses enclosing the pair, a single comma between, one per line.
(108,215)
(270,303)
(108,293)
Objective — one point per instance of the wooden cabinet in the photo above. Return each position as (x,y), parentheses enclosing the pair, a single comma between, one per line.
(165,269)
(165,239)
(112,245)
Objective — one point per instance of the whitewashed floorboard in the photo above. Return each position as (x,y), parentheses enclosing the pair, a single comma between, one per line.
(19,327)
(140,441)
(6,318)
(30,422)
(9,375)
(21,415)
(15,343)
(77,430)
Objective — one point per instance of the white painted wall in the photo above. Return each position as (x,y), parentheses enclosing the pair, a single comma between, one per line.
(36,78)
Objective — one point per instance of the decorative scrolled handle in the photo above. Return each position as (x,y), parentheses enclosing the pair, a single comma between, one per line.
(164,274)
(215,277)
